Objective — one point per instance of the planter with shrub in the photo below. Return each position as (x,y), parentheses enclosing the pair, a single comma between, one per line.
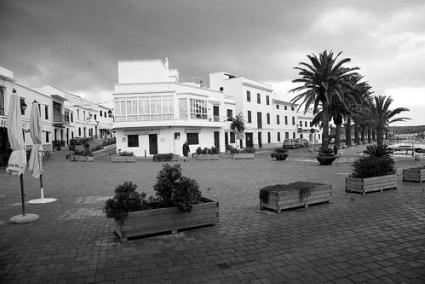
(82,155)
(279,154)
(326,157)
(247,153)
(164,157)
(207,154)
(178,205)
(373,172)
(123,157)
(414,174)
(298,194)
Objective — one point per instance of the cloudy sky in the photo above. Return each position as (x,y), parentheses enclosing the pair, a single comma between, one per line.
(75,45)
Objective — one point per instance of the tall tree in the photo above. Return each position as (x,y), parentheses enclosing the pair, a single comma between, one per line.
(322,79)
(383,115)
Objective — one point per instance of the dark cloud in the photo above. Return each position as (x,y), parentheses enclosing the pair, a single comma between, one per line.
(75,45)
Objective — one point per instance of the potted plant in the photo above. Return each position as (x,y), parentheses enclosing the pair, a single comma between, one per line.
(372,172)
(207,153)
(326,156)
(164,157)
(178,204)
(414,174)
(293,195)
(82,155)
(123,157)
(279,154)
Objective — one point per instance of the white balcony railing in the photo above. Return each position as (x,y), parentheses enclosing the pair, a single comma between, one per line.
(159,117)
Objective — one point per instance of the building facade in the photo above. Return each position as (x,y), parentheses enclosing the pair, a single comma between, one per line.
(155,113)
(269,120)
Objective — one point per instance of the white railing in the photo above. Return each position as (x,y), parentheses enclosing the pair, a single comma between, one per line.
(157,117)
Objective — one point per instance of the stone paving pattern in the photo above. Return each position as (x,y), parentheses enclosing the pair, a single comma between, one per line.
(377,238)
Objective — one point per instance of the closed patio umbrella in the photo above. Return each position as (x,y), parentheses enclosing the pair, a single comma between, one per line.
(17,161)
(36,162)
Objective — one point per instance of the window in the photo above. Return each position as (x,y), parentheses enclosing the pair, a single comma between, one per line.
(72,134)
(293,135)
(292,108)
(268,118)
(258,98)
(133,140)
(293,120)
(269,137)
(84,115)
(277,119)
(72,116)
(79,131)
(46,112)
(286,135)
(249,117)
(305,123)
(248,96)
(104,114)
(95,117)
(286,120)
(78,114)
(229,115)
(318,136)
(47,136)
(311,123)
(301,136)
(277,106)
(267,100)
(1,101)
(183,108)
(259,120)
(286,107)
(301,123)
(198,108)
(192,138)
(100,113)
(278,136)
(232,137)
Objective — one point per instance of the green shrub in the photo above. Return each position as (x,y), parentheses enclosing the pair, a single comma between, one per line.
(231,149)
(166,182)
(125,153)
(372,167)
(280,150)
(126,199)
(186,193)
(378,151)
(326,152)
(163,157)
(84,152)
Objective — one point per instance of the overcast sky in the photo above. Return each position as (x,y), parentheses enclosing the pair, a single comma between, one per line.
(75,45)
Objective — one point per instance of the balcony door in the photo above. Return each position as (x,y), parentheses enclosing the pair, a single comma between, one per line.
(217,140)
(216,113)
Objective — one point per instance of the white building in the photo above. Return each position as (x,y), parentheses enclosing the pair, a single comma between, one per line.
(27,95)
(269,120)
(155,113)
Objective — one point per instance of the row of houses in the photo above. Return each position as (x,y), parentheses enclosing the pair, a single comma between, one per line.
(156,113)
(64,116)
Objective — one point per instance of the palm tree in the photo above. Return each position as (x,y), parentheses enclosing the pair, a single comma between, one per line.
(323,81)
(238,124)
(383,115)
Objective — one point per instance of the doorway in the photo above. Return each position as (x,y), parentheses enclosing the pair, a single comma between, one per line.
(216,113)
(249,141)
(260,142)
(217,140)
(153,144)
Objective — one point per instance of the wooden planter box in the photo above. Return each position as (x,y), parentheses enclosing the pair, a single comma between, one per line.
(208,156)
(286,199)
(241,156)
(364,185)
(414,174)
(81,158)
(123,159)
(166,220)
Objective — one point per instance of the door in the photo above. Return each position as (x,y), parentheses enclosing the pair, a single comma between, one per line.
(226,138)
(260,142)
(249,141)
(259,120)
(216,113)
(153,144)
(217,140)
(67,136)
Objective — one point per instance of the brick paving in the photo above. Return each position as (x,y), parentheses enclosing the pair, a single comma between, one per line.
(377,238)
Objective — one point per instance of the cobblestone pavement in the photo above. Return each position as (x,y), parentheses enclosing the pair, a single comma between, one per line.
(377,238)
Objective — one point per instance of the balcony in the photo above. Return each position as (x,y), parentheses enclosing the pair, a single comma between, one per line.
(169,120)
(60,119)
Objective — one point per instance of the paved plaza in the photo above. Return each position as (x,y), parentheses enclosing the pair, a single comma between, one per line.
(377,238)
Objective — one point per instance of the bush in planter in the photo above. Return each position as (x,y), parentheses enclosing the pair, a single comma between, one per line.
(163,157)
(125,199)
(304,189)
(247,150)
(279,154)
(199,151)
(326,156)
(378,162)
(125,153)
(85,152)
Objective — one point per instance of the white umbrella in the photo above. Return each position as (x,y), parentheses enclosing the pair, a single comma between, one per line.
(17,161)
(36,162)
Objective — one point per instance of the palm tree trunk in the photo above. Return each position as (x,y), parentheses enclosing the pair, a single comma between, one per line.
(380,136)
(348,132)
(369,135)
(362,134)
(373,135)
(337,134)
(356,134)
(325,124)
